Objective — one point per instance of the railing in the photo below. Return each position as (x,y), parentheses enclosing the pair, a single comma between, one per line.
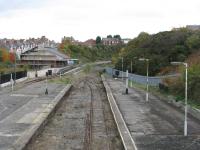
(6,77)
(154,81)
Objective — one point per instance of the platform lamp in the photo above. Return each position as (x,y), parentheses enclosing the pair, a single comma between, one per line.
(186,94)
(46,90)
(122,67)
(147,77)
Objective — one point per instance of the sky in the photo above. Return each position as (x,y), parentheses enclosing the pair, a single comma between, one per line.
(85,19)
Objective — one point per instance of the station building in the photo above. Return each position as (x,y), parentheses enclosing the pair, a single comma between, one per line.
(44,56)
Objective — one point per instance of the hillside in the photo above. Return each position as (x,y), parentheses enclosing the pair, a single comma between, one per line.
(160,48)
(89,54)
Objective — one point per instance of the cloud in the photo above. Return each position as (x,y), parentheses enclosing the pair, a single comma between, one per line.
(85,19)
(7,5)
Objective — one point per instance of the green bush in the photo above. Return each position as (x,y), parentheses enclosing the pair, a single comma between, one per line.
(177,86)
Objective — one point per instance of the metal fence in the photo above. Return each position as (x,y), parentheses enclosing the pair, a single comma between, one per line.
(154,81)
(6,77)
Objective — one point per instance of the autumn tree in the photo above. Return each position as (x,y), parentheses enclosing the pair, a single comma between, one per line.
(5,55)
(0,56)
(12,57)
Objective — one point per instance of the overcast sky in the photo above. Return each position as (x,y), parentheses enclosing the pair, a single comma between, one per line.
(84,19)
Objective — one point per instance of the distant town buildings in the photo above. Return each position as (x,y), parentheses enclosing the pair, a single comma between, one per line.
(22,45)
(111,41)
(89,43)
(114,41)
(193,27)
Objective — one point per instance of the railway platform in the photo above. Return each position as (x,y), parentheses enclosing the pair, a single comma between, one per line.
(153,124)
(24,111)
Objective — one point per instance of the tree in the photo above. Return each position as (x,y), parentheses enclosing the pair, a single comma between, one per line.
(193,42)
(161,49)
(117,36)
(109,36)
(1,56)
(12,57)
(5,55)
(176,85)
(98,40)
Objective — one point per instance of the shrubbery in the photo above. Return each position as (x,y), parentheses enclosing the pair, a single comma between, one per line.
(89,54)
(177,85)
(160,48)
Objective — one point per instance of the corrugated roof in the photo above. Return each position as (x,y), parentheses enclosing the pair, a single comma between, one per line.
(51,50)
(56,52)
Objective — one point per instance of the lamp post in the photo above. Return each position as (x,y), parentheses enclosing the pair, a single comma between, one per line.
(131,72)
(46,90)
(122,67)
(134,58)
(186,94)
(15,68)
(11,81)
(147,77)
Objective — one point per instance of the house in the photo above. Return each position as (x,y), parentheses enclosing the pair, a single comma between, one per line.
(193,27)
(111,41)
(89,43)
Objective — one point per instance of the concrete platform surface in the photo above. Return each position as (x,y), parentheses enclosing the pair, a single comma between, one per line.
(154,125)
(24,110)
(124,132)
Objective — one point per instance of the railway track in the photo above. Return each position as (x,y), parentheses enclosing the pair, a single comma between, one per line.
(38,79)
(89,123)
(84,121)
(89,142)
